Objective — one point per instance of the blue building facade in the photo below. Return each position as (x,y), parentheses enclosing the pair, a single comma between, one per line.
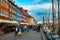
(18,15)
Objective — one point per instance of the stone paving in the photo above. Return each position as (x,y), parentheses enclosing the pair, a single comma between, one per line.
(7,36)
(31,35)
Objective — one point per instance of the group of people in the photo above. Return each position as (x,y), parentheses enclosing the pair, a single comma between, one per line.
(20,29)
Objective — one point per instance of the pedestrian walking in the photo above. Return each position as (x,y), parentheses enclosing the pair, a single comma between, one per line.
(16,31)
(19,32)
(38,28)
(25,27)
(3,28)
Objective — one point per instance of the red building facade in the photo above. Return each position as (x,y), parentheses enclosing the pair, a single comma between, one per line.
(24,14)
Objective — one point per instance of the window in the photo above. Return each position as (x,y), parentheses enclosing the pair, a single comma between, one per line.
(13,11)
(0,1)
(5,13)
(0,10)
(14,17)
(10,9)
(5,0)
(10,16)
(5,4)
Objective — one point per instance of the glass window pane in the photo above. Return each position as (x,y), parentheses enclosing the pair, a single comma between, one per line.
(0,10)
(0,1)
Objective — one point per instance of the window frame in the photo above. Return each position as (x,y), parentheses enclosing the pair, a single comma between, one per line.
(0,11)
(0,2)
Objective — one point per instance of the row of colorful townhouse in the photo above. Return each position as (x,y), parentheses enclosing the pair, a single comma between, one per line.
(10,11)
(11,14)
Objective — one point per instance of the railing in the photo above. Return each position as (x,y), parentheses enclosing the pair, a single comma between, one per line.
(43,35)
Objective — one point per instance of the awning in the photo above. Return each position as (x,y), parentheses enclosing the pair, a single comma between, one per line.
(14,22)
(1,20)
(24,23)
(7,21)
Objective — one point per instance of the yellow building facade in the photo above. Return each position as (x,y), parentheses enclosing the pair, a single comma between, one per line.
(30,20)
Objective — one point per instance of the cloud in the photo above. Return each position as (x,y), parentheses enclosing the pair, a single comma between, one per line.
(30,2)
(41,1)
(36,1)
(38,6)
(37,10)
(40,22)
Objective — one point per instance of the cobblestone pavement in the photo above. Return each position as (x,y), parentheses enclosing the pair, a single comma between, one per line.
(31,35)
(7,36)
